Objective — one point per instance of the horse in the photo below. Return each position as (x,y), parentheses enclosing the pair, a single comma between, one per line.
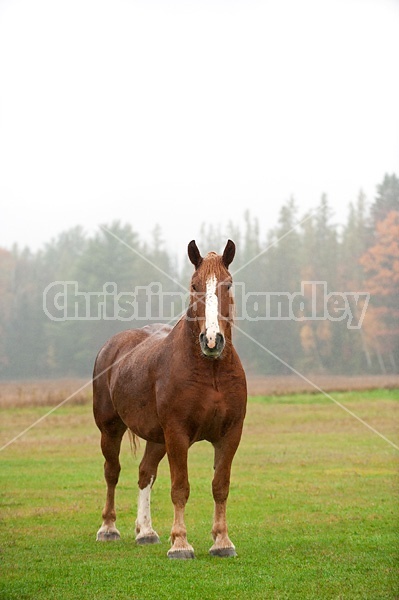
(173,386)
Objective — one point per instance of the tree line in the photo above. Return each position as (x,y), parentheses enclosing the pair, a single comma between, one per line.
(311,296)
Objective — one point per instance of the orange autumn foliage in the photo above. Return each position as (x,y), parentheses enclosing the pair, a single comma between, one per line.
(381,267)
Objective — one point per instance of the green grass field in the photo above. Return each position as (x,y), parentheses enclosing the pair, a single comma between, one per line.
(313,508)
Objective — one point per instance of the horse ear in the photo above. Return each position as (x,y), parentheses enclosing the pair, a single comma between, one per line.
(194,254)
(229,253)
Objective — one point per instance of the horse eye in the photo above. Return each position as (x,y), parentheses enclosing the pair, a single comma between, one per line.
(193,288)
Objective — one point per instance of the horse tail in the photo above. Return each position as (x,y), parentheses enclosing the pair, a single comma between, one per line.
(134,441)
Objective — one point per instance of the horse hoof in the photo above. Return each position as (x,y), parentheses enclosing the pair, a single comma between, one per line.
(108,536)
(223,552)
(181,554)
(148,539)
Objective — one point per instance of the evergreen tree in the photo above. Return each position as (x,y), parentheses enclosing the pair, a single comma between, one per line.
(7,275)
(280,278)
(354,351)
(387,199)
(25,340)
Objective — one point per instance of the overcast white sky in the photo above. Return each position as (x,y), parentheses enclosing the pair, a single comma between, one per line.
(180,113)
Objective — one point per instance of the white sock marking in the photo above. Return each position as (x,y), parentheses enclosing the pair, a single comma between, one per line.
(143,522)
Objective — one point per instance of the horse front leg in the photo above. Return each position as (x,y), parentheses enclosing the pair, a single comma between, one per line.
(224,454)
(177,450)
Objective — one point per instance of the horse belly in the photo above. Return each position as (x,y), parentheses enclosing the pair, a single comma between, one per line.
(133,395)
(134,400)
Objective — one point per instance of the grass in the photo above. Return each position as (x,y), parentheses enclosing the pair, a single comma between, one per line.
(312,508)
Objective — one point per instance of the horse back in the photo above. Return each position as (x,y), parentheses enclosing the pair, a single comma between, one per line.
(122,345)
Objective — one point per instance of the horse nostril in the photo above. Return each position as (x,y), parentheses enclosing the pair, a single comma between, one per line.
(219,340)
(202,337)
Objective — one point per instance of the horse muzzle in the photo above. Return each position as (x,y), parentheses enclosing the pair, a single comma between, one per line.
(212,347)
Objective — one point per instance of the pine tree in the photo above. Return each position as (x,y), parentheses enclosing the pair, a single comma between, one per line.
(354,351)
(7,274)
(387,199)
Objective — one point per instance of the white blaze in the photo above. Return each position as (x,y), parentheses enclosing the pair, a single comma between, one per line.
(211,311)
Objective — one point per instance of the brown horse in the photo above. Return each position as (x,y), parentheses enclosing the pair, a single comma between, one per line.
(173,387)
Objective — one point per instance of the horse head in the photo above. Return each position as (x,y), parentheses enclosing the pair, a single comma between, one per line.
(211,299)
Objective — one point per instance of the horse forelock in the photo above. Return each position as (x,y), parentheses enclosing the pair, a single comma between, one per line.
(212,264)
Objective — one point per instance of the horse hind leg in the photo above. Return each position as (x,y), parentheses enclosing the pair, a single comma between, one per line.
(112,432)
(153,455)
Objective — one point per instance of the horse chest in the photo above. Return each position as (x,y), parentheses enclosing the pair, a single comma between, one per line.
(209,416)
(218,415)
